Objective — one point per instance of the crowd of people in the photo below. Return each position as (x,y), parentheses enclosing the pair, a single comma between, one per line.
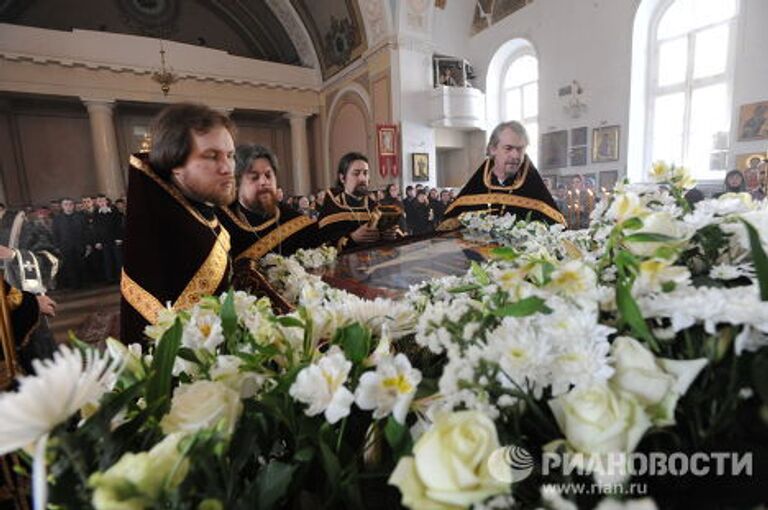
(84,235)
(205,211)
(423,206)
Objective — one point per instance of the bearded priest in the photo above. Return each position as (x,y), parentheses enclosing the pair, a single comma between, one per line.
(506,182)
(347,218)
(176,251)
(257,222)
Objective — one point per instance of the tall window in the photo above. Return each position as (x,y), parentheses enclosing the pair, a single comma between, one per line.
(689,84)
(520,97)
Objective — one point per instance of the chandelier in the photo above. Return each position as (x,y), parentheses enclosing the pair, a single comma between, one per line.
(165,76)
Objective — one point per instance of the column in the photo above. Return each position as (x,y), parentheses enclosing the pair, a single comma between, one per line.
(108,171)
(299,153)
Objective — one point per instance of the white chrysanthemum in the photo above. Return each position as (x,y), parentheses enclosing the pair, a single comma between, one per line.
(61,387)
(523,356)
(737,305)
(731,272)
(399,317)
(390,389)
(580,349)
(430,330)
(758,219)
(321,386)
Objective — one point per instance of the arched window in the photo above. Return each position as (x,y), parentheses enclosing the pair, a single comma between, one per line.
(519,97)
(689,76)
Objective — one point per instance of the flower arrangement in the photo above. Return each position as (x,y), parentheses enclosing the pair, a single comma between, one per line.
(647,332)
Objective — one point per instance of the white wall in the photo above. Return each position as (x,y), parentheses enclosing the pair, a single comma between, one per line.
(584,40)
(591,41)
(751,73)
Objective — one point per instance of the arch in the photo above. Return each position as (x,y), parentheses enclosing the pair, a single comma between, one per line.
(358,96)
(497,67)
(643,86)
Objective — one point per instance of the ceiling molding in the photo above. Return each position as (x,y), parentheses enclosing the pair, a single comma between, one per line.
(297,31)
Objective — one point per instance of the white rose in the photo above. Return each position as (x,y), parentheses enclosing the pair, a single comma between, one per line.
(659,223)
(202,404)
(138,479)
(657,383)
(449,468)
(596,419)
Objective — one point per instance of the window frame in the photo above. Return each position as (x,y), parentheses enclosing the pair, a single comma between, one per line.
(503,89)
(688,85)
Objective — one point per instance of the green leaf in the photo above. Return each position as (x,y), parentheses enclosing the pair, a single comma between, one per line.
(759,258)
(632,224)
(188,354)
(355,340)
(398,437)
(289,322)
(523,308)
(631,314)
(464,288)
(99,422)
(229,317)
(480,274)
(649,237)
(330,463)
(305,455)
(274,479)
(504,253)
(159,382)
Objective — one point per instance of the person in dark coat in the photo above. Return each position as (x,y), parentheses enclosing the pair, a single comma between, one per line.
(107,237)
(422,215)
(176,251)
(506,182)
(345,219)
(69,237)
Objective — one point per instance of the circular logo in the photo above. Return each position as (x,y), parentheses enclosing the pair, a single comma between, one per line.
(510,464)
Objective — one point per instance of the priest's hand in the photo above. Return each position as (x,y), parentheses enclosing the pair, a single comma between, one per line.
(390,234)
(6,253)
(365,234)
(47,305)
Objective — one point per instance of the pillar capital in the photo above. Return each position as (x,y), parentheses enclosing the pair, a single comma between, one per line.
(92,104)
(296,116)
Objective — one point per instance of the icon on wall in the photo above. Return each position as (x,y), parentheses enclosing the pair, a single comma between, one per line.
(420,166)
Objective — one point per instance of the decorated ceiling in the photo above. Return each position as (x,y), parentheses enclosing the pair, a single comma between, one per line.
(336,29)
(258,29)
(488,12)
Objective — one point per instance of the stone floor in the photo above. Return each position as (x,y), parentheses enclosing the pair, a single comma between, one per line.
(91,314)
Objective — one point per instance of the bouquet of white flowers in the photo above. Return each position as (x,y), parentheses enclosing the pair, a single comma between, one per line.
(645,335)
